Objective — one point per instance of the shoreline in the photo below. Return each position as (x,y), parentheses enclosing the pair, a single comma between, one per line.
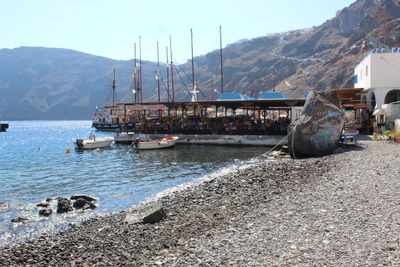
(312,211)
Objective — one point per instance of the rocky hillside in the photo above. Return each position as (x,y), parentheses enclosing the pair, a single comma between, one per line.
(313,59)
(48,83)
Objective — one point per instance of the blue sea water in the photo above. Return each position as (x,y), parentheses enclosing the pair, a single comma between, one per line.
(35,165)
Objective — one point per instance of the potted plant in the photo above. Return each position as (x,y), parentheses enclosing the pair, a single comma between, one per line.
(396,136)
(388,134)
(205,120)
(225,121)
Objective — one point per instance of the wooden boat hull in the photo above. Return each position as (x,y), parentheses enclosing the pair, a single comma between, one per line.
(167,142)
(318,129)
(94,144)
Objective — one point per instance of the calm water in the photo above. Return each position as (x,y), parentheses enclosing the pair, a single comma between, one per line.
(34,165)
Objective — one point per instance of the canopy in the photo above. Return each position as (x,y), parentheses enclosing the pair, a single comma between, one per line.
(379,111)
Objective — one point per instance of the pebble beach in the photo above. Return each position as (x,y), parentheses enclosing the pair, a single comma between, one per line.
(338,210)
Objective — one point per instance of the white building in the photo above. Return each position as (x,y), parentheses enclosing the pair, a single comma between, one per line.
(379,75)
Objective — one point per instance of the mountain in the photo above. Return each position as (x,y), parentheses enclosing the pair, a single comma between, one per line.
(51,83)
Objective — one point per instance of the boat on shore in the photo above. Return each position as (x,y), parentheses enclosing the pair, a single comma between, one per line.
(317,131)
(93,142)
(166,142)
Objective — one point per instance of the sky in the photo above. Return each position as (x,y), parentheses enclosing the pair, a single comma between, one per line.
(110,28)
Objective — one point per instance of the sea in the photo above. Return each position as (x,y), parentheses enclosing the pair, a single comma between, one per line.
(38,161)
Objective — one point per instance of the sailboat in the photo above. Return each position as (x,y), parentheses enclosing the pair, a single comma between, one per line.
(108,118)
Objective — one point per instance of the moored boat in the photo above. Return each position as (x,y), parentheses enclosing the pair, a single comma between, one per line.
(124,138)
(93,142)
(156,144)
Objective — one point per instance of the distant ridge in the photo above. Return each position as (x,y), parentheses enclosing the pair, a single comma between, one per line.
(56,83)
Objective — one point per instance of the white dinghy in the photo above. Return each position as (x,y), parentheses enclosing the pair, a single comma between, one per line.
(156,144)
(93,142)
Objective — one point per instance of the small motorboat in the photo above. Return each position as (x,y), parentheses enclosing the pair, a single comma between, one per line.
(156,144)
(93,142)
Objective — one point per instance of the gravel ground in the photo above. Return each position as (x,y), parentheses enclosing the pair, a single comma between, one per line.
(339,210)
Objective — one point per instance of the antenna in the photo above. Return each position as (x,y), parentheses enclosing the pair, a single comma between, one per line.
(222,72)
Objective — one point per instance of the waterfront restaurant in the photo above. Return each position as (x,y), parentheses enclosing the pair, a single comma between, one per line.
(229,114)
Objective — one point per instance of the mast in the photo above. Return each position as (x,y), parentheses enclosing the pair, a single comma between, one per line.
(172,71)
(193,82)
(166,49)
(194,91)
(140,92)
(222,72)
(113,90)
(135,77)
(158,74)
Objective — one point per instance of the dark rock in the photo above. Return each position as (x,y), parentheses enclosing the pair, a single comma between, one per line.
(43,204)
(149,213)
(85,197)
(49,199)
(19,220)
(3,206)
(81,203)
(45,212)
(64,205)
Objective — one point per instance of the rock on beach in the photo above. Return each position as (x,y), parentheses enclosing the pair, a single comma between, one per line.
(64,205)
(337,210)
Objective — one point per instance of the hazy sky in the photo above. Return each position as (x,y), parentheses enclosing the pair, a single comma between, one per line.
(110,28)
